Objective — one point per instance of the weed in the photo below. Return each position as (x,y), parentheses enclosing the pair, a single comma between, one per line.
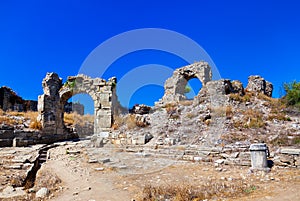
(279,117)
(239,98)
(228,112)
(250,189)
(251,119)
(296,140)
(187,192)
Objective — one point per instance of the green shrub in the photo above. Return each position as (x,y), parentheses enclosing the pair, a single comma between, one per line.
(292,97)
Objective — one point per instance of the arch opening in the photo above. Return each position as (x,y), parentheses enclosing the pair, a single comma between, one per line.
(192,88)
(78,114)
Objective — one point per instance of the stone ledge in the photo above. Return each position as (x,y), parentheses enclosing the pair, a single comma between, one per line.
(290,151)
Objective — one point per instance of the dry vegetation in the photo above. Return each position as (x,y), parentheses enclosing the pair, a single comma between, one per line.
(13,118)
(72,119)
(237,97)
(130,121)
(187,192)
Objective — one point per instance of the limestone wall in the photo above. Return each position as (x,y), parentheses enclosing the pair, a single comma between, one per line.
(51,103)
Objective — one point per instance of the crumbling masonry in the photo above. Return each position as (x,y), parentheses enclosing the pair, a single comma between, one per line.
(51,103)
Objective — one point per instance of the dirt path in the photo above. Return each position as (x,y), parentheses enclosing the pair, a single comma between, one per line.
(81,180)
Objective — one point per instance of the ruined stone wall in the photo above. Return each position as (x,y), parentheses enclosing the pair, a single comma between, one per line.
(9,100)
(51,103)
(175,85)
(74,107)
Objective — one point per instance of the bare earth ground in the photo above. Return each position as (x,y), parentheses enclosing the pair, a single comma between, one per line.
(75,171)
(94,181)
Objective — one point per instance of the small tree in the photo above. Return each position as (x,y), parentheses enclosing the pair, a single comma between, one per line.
(292,97)
(187,89)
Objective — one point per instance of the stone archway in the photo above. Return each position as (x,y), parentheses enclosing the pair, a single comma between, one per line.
(51,103)
(175,85)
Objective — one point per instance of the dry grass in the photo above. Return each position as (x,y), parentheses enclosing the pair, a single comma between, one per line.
(31,115)
(171,107)
(187,192)
(8,120)
(191,115)
(119,120)
(235,137)
(285,140)
(279,117)
(228,112)
(237,97)
(186,102)
(130,122)
(251,119)
(35,124)
(1,112)
(72,119)
(219,111)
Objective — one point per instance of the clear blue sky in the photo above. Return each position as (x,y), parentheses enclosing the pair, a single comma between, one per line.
(242,37)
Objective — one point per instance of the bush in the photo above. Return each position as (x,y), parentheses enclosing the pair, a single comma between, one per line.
(292,97)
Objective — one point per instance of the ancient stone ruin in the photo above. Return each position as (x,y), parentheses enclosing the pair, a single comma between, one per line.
(51,103)
(10,101)
(56,94)
(175,85)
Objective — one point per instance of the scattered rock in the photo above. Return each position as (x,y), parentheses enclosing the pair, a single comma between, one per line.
(93,161)
(290,151)
(220,161)
(104,160)
(42,193)
(99,169)
(73,151)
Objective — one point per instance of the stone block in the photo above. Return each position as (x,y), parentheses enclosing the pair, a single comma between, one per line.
(138,140)
(289,159)
(290,151)
(104,160)
(6,142)
(187,158)
(297,161)
(6,134)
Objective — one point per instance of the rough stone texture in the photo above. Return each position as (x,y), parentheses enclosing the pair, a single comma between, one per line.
(175,85)
(42,193)
(50,111)
(237,87)
(9,100)
(269,89)
(259,156)
(51,103)
(257,84)
(74,107)
(140,109)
